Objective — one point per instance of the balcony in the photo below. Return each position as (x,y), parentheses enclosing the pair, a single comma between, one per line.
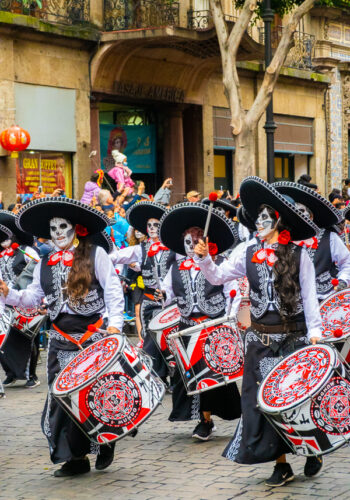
(201,20)
(67,12)
(301,54)
(138,14)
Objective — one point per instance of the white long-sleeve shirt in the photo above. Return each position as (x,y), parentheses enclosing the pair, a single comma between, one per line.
(235,267)
(341,256)
(33,295)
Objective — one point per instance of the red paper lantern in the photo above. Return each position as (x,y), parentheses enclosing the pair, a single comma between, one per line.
(14,139)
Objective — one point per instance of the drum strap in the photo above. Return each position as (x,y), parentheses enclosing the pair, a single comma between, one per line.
(85,336)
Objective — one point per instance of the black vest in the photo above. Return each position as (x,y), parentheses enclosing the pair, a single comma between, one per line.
(53,281)
(11,267)
(262,291)
(209,298)
(322,260)
(150,265)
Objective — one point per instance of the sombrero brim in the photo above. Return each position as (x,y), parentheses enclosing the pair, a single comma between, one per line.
(324,213)
(103,240)
(256,192)
(185,215)
(5,233)
(244,218)
(35,216)
(10,220)
(346,213)
(141,212)
(225,205)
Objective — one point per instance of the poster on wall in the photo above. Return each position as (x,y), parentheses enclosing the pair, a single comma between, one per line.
(137,142)
(49,170)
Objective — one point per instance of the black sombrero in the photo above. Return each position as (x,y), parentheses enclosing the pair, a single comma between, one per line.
(141,212)
(244,218)
(324,213)
(10,220)
(35,216)
(345,213)
(103,240)
(5,233)
(185,215)
(256,192)
(225,205)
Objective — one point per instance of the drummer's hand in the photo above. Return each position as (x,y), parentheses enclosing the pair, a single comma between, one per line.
(202,249)
(341,286)
(4,289)
(314,340)
(158,294)
(112,329)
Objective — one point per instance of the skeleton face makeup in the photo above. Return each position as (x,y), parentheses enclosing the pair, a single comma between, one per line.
(306,211)
(191,239)
(61,232)
(264,224)
(6,243)
(152,228)
(138,234)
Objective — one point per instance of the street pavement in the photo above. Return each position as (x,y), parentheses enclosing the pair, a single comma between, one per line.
(161,462)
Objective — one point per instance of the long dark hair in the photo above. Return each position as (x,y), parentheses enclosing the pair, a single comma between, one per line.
(285,271)
(80,275)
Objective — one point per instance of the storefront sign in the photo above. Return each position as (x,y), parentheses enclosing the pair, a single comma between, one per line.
(137,142)
(50,170)
(153,92)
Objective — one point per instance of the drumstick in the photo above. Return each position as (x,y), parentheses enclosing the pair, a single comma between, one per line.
(158,280)
(15,246)
(94,329)
(212,198)
(233,294)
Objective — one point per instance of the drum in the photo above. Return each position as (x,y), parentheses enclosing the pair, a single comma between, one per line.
(209,354)
(243,315)
(162,325)
(5,325)
(27,321)
(307,399)
(108,390)
(335,314)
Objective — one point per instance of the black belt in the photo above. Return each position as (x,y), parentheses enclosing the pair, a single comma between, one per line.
(296,326)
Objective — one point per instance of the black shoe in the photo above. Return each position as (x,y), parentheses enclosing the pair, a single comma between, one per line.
(313,466)
(204,430)
(32,382)
(105,457)
(282,474)
(9,380)
(73,468)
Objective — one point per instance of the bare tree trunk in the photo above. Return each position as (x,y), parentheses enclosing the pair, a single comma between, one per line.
(244,156)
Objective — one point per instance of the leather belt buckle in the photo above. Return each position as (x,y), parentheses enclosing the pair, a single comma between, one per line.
(265,339)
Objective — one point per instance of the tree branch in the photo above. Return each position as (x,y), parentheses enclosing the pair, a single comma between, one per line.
(272,71)
(240,26)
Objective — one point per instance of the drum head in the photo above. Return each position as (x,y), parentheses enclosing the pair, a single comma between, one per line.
(335,314)
(87,365)
(170,316)
(296,378)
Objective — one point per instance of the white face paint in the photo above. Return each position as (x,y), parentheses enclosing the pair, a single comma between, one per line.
(189,245)
(61,232)
(304,210)
(264,224)
(152,228)
(138,234)
(6,243)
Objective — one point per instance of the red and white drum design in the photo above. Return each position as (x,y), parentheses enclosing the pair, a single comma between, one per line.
(27,321)
(307,399)
(209,356)
(108,389)
(162,325)
(6,319)
(335,314)
(243,315)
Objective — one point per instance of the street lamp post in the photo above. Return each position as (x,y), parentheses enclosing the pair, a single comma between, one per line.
(270,125)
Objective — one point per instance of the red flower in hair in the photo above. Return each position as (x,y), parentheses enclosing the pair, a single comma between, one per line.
(284,237)
(81,230)
(213,249)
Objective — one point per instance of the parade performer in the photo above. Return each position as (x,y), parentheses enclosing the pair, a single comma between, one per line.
(327,251)
(120,173)
(284,313)
(20,353)
(153,260)
(198,300)
(78,282)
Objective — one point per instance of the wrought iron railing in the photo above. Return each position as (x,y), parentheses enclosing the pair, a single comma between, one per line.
(135,14)
(54,11)
(301,54)
(199,19)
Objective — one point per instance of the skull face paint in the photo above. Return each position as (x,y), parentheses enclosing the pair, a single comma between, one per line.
(6,243)
(191,239)
(306,211)
(152,228)
(138,234)
(61,232)
(264,224)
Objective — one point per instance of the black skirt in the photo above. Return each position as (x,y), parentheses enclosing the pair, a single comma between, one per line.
(255,440)
(66,440)
(15,358)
